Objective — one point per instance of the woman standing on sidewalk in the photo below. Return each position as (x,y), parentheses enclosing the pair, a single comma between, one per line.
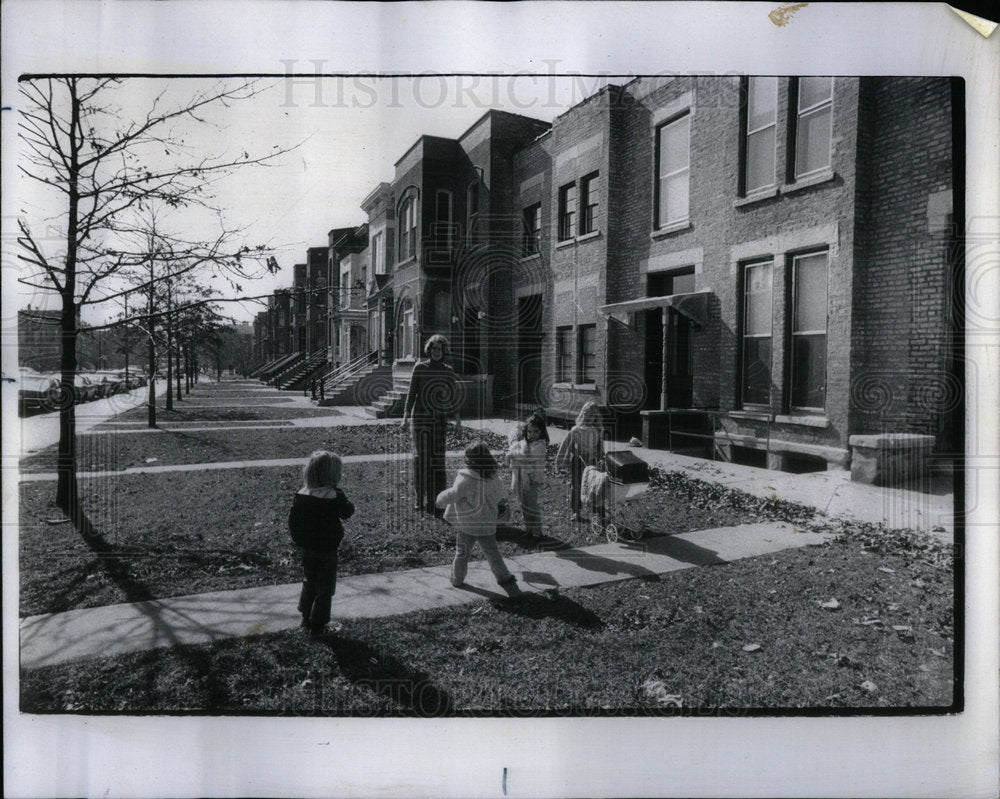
(431,400)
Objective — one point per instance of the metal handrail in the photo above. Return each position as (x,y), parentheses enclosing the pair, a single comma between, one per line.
(304,365)
(348,369)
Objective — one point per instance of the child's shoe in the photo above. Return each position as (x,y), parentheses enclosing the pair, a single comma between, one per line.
(457,583)
(510,586)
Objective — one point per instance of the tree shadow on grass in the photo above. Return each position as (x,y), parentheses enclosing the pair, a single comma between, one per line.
(411,692)
(114,561)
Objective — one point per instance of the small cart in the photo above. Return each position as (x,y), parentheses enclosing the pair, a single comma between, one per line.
(623,517)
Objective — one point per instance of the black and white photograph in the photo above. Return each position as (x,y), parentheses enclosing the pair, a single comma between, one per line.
(530,415)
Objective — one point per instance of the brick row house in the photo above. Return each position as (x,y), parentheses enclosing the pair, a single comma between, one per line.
(758,269)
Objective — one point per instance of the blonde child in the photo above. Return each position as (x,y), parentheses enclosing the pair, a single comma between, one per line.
(315,524)
(471,504)
(526,455)
(584,446)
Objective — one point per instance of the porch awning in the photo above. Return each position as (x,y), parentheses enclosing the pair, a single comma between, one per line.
(693,305)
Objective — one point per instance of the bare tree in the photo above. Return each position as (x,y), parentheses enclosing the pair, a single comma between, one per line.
(101,164)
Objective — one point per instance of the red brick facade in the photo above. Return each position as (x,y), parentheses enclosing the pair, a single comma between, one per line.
(769,260)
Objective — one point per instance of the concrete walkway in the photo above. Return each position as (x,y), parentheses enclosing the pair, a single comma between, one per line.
(118,629)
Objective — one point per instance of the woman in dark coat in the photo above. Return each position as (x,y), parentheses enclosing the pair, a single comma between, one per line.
(431,400)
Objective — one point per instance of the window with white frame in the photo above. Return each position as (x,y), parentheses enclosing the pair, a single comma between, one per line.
(567,211)
(407,229)
(532,239)
(673,167)
(564,354)
(590,203)
(377,254)
(813,125)
(586,360)
(756,324)
(345,288)
(759,144)
(809,325)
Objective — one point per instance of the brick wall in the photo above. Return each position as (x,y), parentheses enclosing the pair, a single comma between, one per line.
(904,252)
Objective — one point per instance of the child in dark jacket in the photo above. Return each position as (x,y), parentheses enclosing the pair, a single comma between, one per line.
(315,524)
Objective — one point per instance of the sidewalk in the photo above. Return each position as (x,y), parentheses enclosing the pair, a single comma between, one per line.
(202,618)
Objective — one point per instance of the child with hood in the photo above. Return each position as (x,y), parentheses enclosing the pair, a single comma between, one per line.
(472,506)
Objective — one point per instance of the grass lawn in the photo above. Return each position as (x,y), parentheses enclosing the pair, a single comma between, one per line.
(124,449)
(683,641)
(172,534)
(752,634)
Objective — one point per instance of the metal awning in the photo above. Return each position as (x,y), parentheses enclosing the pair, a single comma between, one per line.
(693,305)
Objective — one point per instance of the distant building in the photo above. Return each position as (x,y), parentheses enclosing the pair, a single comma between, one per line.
(39,339)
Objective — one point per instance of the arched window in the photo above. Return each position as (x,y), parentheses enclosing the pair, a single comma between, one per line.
(405,330)
(406,228)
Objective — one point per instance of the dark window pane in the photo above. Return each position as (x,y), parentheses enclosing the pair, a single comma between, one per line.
(809,371)
(757,371)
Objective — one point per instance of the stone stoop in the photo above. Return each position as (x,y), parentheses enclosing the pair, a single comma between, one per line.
(347,393)
(889,459)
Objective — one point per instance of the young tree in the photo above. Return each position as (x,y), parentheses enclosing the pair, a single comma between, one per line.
(97,163)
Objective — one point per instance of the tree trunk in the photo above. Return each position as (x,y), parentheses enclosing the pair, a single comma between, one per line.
(170,348)
(67,496)
(151,416)
(179,362)
(66,485)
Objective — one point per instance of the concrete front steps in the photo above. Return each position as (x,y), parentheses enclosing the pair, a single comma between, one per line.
(361,388)
(390,404)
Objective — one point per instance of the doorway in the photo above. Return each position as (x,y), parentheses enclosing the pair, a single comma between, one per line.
(529,348)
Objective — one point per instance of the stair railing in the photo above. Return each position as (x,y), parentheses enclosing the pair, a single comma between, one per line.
(349,369)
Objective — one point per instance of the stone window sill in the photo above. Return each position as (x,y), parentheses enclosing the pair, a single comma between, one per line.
(804,421)
(594,234)
(586,387)
(756,197)
(808,182)
(667,230)
(565,243)
(533,256)
(753,416)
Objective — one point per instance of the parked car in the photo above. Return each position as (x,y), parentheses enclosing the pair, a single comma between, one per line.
(38,390)
(85,388)
(113,380)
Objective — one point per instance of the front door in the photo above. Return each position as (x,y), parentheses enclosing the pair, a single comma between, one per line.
(671,352)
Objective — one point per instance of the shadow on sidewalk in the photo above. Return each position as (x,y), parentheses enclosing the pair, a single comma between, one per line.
(679,549)
(410,692)
(599,563)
